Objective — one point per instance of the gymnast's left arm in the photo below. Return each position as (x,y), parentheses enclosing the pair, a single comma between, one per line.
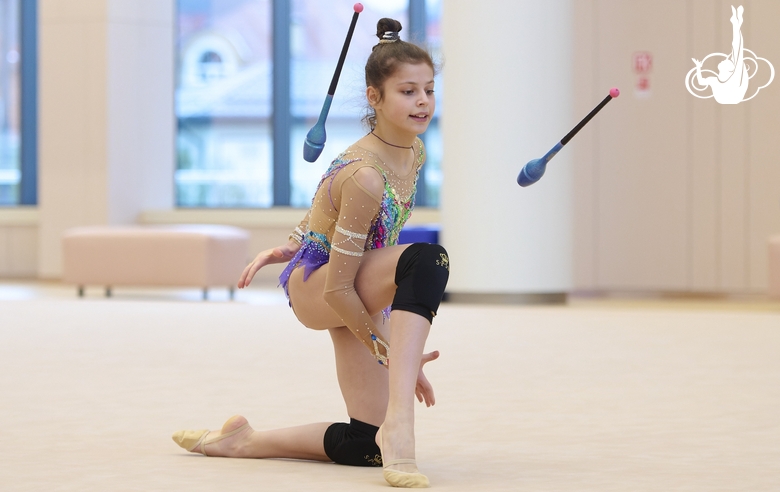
(358,197)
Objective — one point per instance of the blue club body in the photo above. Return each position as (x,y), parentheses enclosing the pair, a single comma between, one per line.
(315,139)
(534,170)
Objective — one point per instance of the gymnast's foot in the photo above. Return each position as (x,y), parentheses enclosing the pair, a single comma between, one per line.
(396,443)
(736,16)
(230,441)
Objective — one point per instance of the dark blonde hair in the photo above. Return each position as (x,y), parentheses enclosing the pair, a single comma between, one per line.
(385,59)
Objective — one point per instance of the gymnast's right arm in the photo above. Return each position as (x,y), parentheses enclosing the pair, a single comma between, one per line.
(301,229)
(279,254)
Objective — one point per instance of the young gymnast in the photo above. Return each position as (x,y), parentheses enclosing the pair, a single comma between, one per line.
(345,269)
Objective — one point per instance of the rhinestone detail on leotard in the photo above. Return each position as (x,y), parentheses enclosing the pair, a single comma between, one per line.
(384,229)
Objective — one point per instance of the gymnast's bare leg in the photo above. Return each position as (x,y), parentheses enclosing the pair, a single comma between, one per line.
(365,385)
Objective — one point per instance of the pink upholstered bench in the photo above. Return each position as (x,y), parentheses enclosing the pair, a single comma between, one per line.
(200,256)
(774,266)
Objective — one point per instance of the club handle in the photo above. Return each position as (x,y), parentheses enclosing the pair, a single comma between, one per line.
(334,82)
(585,120)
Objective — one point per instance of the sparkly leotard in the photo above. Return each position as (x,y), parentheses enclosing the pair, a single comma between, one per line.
(344,221)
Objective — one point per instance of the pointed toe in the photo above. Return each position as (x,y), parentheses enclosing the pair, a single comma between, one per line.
(189,439)
(397,478)
(406,480)
(196,441)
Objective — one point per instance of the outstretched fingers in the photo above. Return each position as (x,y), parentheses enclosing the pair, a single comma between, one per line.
(248,274)
(280,254)
(429,357)
(423,389)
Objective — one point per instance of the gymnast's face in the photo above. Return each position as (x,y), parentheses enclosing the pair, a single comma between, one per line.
(406,102)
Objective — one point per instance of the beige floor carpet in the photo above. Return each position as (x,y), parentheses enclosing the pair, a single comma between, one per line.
(586,397)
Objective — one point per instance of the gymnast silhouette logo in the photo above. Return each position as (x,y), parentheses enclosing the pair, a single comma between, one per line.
(730,84)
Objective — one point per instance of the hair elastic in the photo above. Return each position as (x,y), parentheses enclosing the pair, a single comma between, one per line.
(389,37)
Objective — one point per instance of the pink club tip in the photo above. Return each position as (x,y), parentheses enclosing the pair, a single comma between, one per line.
(358,7)
(614,92)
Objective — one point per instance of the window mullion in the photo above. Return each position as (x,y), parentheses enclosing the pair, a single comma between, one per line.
(417,27)
(28,189)
(280,118)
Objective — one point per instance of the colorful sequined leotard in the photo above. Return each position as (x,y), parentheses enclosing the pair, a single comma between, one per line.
(344,221)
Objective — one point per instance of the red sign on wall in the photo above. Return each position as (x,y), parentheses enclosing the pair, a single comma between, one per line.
(642,62)
(642,65)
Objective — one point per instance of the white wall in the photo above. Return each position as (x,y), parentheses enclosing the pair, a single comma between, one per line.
(106,115)
(673,193)
(18,242)
(508,91)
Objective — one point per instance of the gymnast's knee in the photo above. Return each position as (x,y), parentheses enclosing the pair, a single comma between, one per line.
(421,277)
(352,444)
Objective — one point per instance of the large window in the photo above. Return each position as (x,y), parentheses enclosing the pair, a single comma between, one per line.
(223,104)
(252,79)
(18,103)
(10,133)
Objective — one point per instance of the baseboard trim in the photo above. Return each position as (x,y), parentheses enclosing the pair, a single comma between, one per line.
(505,298)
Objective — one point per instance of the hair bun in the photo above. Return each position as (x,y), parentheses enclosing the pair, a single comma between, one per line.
(387,25)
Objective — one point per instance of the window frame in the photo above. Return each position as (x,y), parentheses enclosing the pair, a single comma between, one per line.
(27,102)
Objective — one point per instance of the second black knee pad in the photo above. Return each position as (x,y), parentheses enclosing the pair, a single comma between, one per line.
(421,276)
(352,444)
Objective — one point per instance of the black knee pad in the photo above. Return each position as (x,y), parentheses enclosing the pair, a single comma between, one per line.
(421,276)
(352,444)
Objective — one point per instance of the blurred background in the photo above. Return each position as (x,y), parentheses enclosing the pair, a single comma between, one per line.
(118,112)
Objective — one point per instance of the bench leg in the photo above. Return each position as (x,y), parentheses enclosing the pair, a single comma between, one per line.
(108,291)
(206,294)
(80,291)
(232,293)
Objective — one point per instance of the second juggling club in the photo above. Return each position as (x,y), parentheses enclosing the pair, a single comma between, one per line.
(315,139)
(534,170)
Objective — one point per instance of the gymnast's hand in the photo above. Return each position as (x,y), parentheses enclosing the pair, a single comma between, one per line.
(279,254)
(424,390)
